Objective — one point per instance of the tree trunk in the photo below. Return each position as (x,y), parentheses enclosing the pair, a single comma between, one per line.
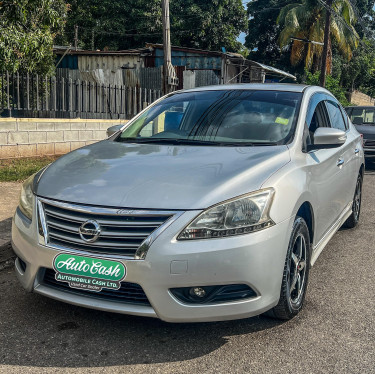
(326,45)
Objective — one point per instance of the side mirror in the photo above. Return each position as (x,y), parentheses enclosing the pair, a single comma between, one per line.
(113,129)
(327,137)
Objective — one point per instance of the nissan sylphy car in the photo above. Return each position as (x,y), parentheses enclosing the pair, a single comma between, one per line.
(211,204)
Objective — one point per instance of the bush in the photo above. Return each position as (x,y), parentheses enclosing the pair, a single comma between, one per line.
(332,85)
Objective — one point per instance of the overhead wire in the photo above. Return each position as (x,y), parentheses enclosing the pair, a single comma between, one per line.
(343,22)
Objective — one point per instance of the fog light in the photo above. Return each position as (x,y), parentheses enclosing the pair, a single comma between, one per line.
(198,292)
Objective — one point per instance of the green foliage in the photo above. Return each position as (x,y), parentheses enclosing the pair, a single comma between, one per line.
(359,72)
(263,33)
(332,85)
(208,25)
(27,31)
(306,20)
(119,24)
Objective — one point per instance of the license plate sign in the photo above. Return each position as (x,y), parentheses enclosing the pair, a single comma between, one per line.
(89,273)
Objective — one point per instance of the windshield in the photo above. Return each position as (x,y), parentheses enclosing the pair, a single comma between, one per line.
(223,117)
(362,116)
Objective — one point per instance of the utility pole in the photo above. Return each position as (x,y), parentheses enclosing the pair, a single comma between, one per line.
(170,80)
(76,37)
(326,42)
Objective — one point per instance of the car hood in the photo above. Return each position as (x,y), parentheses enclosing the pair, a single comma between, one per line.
(368,131)
(150,176)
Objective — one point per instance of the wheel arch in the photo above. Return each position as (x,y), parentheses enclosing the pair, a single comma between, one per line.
(362,170)
(307,213)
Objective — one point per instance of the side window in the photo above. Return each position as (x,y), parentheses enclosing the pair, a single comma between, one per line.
(345,116)
(337,121)
(316,117)
(319,118)
(317,114)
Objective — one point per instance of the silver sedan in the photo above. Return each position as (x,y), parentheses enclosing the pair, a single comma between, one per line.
(211,204)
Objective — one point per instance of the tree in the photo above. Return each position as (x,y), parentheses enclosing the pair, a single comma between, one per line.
(359,72)
(364,12)
(115,24)
(27,32)
(306,20)
(332,84)
(263,30)
(208,25)
(263,34)
(119,24)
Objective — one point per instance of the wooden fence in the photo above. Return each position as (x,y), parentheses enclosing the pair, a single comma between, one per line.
(36,96)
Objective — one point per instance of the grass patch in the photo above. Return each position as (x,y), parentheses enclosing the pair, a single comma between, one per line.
(19,169)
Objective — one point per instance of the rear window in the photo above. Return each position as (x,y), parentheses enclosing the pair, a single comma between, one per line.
(362,116)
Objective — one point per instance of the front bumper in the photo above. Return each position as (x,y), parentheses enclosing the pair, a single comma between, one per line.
(256,259)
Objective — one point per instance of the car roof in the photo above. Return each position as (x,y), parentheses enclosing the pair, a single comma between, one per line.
(253,86)
(287,87)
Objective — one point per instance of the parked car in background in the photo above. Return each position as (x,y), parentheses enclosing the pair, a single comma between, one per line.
(211,204)
(363,118)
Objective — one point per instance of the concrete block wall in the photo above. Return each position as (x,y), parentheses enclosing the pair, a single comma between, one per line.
(359,98)
(28,137)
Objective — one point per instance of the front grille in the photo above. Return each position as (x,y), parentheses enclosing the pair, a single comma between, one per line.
(130,293)
(369,143)
(121,234)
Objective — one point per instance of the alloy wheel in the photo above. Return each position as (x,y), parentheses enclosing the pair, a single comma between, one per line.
(357,199)
(297,270)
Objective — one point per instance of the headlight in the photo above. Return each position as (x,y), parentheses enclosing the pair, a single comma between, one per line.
(237,216)
(27,197)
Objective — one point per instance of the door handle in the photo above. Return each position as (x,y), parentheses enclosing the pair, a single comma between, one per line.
(340,162)
(356,151)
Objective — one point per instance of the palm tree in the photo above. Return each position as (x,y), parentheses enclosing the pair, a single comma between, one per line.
(306,20)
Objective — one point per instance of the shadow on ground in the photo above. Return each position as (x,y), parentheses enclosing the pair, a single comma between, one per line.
(370,166)
(53,334)
(6,251)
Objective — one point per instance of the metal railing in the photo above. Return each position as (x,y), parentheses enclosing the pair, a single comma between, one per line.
(36,96)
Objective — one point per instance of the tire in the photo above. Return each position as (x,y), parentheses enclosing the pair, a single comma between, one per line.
(353,219)
(296,273)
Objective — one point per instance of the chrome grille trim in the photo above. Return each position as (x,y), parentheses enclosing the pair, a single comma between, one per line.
(369,143)
(124,231)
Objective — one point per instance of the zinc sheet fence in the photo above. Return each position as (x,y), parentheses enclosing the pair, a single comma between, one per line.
(36,96)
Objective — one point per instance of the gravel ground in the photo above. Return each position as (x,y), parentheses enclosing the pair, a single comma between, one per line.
(335,333)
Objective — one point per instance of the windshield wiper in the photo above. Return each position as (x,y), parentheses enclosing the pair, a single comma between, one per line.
(174,141)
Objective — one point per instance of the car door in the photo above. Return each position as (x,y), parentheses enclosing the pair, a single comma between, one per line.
(348,153)
(325,175)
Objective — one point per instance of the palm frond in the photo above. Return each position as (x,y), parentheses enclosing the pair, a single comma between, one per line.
(307,20)
(284,11)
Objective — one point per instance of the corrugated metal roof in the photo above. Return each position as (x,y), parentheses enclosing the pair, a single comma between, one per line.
(273,70)
(192,58)
(61,51)
(185,49)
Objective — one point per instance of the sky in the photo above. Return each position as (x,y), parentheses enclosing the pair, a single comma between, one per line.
(241,37)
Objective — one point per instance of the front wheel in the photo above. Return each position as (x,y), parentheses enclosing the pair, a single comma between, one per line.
(353,219)
(296,273)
